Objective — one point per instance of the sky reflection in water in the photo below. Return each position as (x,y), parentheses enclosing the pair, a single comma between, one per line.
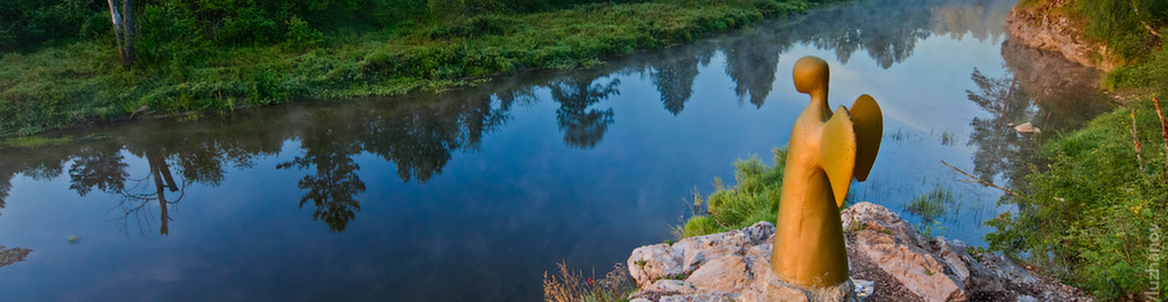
(473,194)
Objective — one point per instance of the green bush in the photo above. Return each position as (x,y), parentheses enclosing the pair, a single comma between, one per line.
(32,24)
(1125,26)
(772,8)
(755,198)
(1152,74)
(1086,218)
(301,35)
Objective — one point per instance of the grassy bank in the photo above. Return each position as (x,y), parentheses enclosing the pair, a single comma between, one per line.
(1089,216)
(66,84)
(1092,215)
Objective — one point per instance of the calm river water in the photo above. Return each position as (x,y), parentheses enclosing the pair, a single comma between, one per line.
(473,194)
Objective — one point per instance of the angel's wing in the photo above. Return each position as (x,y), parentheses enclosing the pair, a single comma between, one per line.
(869,128)
(838,156)
(851,139)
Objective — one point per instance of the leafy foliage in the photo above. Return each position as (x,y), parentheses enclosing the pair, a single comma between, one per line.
(1128,26)
(1152,74)
(1087,217)
(32,24)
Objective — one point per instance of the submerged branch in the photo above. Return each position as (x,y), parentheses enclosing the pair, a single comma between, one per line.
(974,179)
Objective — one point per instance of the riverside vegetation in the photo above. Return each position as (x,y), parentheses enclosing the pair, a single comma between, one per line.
(59,64)
(1088,211)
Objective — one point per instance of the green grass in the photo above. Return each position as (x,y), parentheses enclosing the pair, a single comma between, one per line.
(754,198)
(1087,217)
(32,142)
(931,207)
(1151,76)
(82,82)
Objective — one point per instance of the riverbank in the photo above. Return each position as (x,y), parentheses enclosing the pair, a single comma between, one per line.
(81,83)
(1090,214)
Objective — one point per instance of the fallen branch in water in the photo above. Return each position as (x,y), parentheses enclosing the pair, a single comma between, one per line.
(980,181)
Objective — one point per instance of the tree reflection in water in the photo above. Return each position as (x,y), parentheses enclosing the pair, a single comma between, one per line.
(751,62)
(1041,88)
(334,186)
(583,127)
(419,133)
(674,74)
(1000,147)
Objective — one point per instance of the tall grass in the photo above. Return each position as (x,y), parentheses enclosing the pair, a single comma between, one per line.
(571,286)
(754,198)
(931,207)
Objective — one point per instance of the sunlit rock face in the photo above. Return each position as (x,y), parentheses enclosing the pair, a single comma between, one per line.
(1040,28)
(888,261)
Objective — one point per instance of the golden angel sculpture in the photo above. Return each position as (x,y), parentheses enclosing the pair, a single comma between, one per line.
(826,151)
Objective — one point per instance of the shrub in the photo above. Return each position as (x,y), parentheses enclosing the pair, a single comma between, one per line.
(1087,217)
(1125,26)
(300,35)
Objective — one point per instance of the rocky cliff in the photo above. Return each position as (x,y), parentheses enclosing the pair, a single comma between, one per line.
(888,261)
(1043,26)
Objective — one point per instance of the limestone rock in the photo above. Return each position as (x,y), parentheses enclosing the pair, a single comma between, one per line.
(724,274)
(1027,128)
(902,266)
(899,253)
(1043,28)
(652,262)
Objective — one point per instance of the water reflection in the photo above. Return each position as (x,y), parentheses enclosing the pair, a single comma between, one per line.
(334,186)
(889,30)
(674,74)
(583,127)
(751,61)
(418,134)
(1040,88)
(1000,147)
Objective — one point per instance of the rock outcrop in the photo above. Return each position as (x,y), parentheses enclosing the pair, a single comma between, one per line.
(888,261)
(1040,27)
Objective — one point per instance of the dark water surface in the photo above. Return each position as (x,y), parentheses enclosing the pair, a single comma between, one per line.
(472,195)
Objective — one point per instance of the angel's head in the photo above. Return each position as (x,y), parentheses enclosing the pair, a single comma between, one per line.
(811,76)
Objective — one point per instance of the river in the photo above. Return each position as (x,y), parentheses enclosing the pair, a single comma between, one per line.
(472,194)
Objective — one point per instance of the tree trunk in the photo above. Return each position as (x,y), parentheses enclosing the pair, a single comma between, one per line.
(128,32)
(117,20)
(123,26)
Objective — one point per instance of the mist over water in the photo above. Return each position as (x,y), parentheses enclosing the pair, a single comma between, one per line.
(471,195)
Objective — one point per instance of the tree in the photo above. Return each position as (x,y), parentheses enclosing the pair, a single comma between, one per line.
(123,30)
